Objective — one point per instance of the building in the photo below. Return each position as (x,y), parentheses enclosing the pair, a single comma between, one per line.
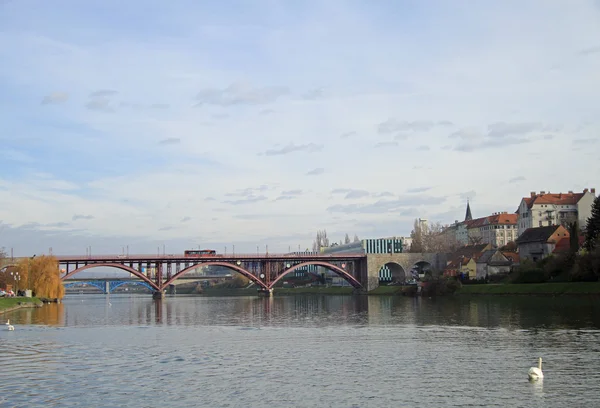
(547,209)
(492,262)
(463,261)
(499,229)
(537,243)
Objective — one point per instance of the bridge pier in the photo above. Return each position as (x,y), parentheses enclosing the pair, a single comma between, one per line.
(107,288)
(265,292)
(158,295)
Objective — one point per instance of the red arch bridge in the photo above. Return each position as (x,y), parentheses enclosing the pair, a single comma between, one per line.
(158,272)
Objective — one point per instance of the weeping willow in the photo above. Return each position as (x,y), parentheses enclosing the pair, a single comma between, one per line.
(42,276)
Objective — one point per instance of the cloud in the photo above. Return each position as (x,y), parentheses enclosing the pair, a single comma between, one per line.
(418,189)
(503,129)
(585,141)
(423,148)
(498,135)
(291,148)
(313,94)
(316,172)
(517,179)
(296,192)
(251,198)
(170,141)
(100,105)
(186,219)
(55,98)
(590,51)
(386,206)
(103,93)
(82,217)
(386,144)
(240,94)
(347,135)
(393,125)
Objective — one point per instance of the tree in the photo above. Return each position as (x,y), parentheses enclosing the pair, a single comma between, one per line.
(573,237)
(356,238)
(346,239)
(320,241)
(416,236)
(509,247)
(42,276)
(592,228)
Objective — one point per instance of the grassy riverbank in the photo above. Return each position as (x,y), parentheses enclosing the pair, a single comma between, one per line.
(7,304)
(562,288)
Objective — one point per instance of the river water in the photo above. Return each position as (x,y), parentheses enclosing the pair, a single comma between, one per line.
(301,351)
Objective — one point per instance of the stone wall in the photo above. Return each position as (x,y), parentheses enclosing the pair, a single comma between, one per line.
(406,260)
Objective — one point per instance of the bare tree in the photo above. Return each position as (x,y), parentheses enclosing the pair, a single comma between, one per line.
(356,239)
(320,241)
(346,239)
(416,235)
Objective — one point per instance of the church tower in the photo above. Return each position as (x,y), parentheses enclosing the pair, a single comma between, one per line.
(468,216)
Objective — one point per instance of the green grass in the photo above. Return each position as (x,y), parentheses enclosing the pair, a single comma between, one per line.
(317,290)
(563,288)
(7,303)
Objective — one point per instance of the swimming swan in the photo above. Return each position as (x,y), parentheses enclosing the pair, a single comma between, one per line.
(10,327)
(536,373)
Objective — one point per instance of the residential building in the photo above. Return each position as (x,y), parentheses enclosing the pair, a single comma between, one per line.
(546,209)
(499,229)
(492,262)
(463,261)
(537,243)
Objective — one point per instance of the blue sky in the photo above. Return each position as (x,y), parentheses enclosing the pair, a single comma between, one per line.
(258,122)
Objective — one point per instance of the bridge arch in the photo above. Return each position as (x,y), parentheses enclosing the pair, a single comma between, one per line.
(392,272)
(114,265)
(96,284)
(424,267)
(335,269)
(231,266)
(5,267)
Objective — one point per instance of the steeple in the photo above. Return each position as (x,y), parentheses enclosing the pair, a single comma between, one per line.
(468,216)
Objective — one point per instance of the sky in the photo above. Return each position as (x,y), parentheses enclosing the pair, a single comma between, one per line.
(256,123)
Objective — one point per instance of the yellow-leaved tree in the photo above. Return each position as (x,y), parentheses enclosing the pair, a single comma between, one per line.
(42,275)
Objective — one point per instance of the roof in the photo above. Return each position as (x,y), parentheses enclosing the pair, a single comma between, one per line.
(555,198)
(539,234)
(486,255)
(564,244)
(512,256)
(476,223)
(503,219)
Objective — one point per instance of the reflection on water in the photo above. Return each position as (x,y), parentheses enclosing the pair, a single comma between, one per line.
(302,351)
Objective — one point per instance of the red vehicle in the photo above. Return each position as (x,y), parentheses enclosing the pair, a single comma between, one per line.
(199,253)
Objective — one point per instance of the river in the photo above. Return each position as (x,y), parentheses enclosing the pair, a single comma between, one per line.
(301,351)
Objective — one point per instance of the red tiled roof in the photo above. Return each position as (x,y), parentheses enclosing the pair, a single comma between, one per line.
(503,219)
(553,198)
(564,244)
(512,256)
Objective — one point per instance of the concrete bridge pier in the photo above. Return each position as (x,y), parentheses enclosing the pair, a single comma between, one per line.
(265,292)
(107,288)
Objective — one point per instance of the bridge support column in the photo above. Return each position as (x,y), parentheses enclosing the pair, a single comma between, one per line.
(368,275)
(265,292)
(158,295)
(107,288)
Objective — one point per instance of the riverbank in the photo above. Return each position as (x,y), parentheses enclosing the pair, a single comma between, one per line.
(544,289)
(14,303)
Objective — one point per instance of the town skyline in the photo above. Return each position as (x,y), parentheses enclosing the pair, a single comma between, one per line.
(186,125)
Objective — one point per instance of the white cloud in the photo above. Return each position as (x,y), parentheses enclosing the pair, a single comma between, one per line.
(155,128)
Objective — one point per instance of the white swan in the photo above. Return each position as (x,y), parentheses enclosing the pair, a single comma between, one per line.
(10,327)
(536,373)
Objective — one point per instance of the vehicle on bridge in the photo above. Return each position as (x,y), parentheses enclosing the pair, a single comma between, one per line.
(199,253)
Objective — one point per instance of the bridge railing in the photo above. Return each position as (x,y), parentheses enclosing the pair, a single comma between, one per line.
(133,257)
